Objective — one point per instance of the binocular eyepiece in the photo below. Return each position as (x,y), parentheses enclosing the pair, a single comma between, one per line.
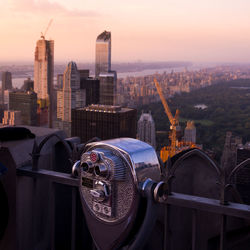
(95,166)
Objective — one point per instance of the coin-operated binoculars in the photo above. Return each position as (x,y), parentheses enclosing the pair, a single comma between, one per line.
(117,179)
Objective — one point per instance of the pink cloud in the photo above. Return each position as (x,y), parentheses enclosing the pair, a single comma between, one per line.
(46,7)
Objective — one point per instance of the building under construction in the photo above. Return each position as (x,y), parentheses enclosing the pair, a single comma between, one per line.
(44,77)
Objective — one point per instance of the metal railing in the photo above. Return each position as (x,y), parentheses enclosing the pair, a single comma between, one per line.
(221,207)
(54,177)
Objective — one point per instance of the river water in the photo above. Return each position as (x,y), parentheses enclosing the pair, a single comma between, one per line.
(18,82)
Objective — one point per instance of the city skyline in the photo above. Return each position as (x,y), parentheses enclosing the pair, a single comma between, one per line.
(148,31)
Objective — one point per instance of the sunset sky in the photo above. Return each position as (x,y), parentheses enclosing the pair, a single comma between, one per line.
(147,30)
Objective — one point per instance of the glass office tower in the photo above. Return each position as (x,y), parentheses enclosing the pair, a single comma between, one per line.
(103,53)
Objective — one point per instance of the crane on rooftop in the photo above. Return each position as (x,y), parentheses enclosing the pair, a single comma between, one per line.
(175,145)
(46,30)
(174,121)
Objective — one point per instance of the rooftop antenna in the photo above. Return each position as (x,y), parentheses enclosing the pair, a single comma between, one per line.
(45,32)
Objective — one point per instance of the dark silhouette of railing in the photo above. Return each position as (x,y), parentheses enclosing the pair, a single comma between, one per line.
(222,207)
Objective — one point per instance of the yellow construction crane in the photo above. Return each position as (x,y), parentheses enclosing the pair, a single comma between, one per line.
(175,145)
(174,121)
(45,32)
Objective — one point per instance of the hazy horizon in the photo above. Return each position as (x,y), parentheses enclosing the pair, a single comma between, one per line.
(31,62)
(163,30)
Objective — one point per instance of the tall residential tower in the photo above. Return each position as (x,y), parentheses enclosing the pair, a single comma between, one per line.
(103,53)
(107,77)
(44,74)
(70,97)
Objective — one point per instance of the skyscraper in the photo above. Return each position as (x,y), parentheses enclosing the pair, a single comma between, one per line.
(190,132)
(12,117)
(26,102)
(44,74)
(103,53)
(103,71)
(59,81)
(70,97)
(103,121)
(6,83)
(108,88)
(28,85)
(146,129)
(6,95)
(91,86)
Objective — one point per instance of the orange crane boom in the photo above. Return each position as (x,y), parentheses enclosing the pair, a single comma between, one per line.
(164,103)
(45,32)
(173,120)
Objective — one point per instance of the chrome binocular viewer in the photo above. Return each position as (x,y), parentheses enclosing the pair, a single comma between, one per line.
(114,175)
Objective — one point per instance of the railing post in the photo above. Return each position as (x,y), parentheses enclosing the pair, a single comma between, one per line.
(223,232)
(34,212)
(73,218)
(223,199)
(52,211)
(167,237)
(194,228)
